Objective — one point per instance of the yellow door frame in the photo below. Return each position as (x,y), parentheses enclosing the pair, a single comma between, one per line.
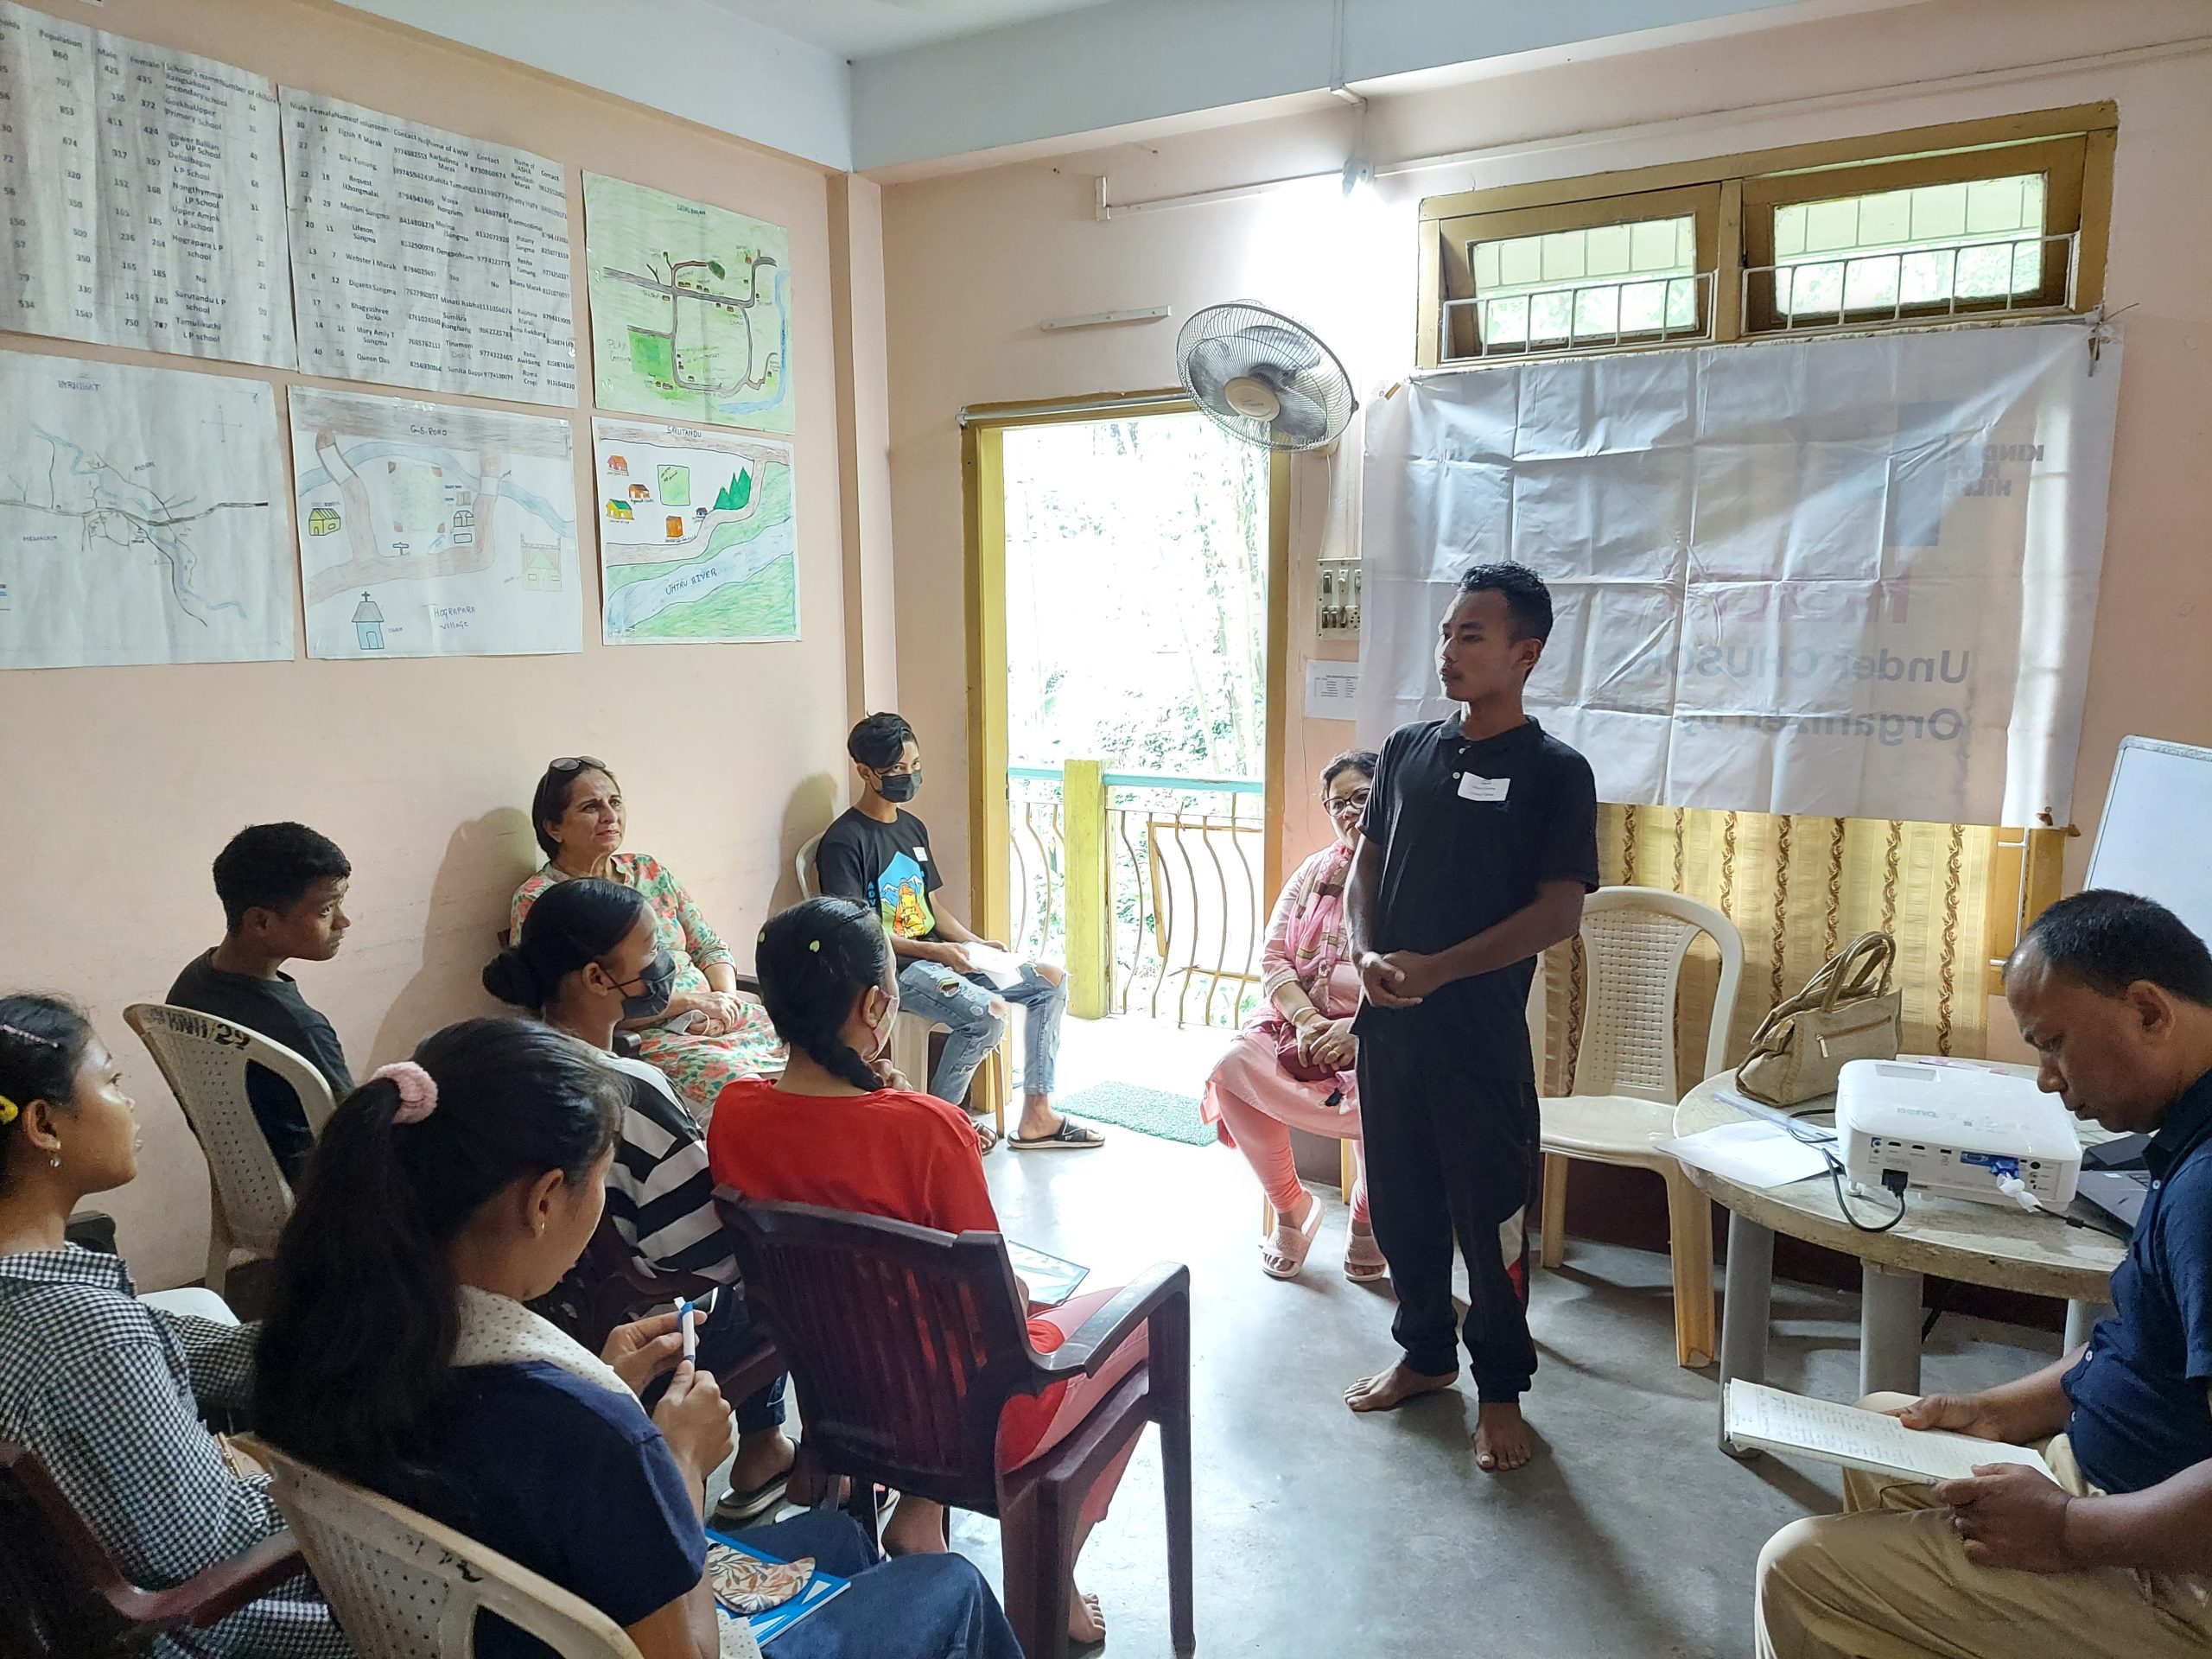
(982,434)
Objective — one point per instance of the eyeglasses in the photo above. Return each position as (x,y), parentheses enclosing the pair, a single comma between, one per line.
(575,762)
(1356,801)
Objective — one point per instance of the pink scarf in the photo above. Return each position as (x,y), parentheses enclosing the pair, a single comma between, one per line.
(1316,936)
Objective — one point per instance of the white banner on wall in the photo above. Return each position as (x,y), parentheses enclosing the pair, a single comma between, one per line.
(1845,576)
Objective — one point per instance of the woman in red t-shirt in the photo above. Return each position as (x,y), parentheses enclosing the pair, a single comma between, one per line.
(842,1130)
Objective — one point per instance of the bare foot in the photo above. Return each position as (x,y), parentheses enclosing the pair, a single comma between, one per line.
(917,1528)
(1086,1621)
(1386,1391)
(1502,1437)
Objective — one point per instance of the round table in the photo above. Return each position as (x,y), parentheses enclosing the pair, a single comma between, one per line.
(1999,1245)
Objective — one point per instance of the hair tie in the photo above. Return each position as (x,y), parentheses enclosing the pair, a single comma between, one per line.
(8,1111)
(418,1089)
(814,944)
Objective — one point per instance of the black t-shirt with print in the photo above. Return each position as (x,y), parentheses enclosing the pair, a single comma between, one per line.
(887,866)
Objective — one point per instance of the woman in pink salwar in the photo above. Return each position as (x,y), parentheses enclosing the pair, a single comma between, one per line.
(1292,1067)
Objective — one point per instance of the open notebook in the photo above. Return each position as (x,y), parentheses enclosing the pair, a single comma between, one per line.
(1771,1420)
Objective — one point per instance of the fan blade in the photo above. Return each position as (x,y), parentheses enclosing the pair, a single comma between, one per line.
(1210,366)
(1301,420)
(1291,348)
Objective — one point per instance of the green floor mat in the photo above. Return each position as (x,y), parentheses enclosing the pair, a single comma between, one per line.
(1148,1111)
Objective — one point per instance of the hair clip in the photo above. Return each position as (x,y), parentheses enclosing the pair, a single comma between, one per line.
(8,1111)
(30,1036)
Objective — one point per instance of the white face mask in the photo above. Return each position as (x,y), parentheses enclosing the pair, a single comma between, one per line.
(878,1036)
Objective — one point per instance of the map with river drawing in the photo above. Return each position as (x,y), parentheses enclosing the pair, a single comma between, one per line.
(429,530)
(698,543)
(141,517)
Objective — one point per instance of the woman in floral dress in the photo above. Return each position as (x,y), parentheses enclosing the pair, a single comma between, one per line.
(707,1036)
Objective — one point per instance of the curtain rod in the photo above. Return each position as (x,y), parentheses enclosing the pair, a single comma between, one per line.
(970,414)
(1587,138)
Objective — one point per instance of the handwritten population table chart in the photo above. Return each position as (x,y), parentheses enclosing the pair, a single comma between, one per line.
(425,258)
(168,230)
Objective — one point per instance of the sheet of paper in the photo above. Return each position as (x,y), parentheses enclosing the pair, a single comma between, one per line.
(421,258)
(1801,1121)
(690,308)
(144,192)
(141,517)
(1002,968)
(431,531)
(1331,690)
(1750,1154)
(1859,1440)
(696,538)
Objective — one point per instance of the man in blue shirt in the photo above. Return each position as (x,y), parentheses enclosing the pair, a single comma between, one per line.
(2114,1557)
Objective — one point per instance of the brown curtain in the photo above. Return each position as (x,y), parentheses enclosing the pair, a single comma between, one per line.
(1798,889)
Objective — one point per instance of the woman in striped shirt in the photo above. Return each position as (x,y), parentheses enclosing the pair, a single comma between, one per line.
(586,959)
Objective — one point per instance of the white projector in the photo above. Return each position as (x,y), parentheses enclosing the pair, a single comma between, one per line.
(1955,1131)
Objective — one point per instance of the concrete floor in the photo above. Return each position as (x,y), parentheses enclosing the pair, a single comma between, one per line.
(1321,1532)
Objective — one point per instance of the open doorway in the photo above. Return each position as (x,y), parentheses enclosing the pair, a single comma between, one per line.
(1129,629)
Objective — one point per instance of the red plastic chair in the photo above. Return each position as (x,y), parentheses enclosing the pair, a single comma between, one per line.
(62,1596)
(906,1345)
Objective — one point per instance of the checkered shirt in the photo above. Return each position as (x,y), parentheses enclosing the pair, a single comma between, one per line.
(108,1392)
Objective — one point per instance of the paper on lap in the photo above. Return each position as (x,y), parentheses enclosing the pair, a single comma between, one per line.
(1773,1420)
(1002,968)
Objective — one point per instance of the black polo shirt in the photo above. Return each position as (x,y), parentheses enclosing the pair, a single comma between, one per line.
(2141,1413)
(1469,831)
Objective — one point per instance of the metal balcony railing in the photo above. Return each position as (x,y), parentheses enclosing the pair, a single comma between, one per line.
(1147,885)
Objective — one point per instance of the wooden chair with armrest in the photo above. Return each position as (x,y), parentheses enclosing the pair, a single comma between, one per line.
(63,1596)
(906,1344)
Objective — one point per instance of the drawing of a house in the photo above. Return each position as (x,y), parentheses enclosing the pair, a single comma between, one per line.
(368,624)
(323,521)
(640,492)
(541,571)
(675,526)
(617,468)
(618,512)
(464,526)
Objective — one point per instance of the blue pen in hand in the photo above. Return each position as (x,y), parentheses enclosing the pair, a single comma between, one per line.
(689,1325)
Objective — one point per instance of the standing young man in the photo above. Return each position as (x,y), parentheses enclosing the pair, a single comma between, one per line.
(283,892)
(1480,841)
(878,855)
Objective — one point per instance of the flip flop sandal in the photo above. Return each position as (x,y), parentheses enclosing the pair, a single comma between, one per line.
(1283,1252)
(1070,1137)
(1363,1263)
(737,1509)
(985,1134)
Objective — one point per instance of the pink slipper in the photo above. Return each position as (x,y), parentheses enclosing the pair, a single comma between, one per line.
(1283,1252)
(1363,1263)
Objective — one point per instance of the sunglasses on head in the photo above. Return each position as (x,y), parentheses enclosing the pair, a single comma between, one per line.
(575,762)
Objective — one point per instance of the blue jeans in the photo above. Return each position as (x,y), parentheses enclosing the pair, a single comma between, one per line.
(962,1004)
(916,1607)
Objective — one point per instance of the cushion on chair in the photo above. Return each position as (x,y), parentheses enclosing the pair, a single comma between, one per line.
(1609,1129)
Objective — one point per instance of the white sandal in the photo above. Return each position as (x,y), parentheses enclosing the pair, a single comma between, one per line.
(1283,1252)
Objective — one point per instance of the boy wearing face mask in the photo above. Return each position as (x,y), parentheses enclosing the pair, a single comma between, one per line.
(878,855)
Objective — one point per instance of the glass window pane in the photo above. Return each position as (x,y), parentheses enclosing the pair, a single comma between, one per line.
(1563,259)
(1926,247)
(1596,312)
(1485,256)
(1644,307)
(1831,225)
(1939,210)
(1549,314)
(1520,261)
(1582,286)
(1886,218)
(1789,230)
(1653,245)
(1993,205)
(1608,251)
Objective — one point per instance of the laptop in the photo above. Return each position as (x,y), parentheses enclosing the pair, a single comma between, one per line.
(2114,1180)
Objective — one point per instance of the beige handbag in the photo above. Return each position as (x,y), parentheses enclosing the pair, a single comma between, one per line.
(1846,1012)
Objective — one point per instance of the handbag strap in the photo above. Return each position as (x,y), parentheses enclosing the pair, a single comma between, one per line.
(1855,970)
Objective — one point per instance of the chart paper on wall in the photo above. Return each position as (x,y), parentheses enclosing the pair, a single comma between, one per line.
(421,258)
(690,308)
(428,530)
(697,539)
(145,195)
(141,517)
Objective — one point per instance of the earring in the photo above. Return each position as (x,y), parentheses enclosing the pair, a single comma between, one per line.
(56,1160)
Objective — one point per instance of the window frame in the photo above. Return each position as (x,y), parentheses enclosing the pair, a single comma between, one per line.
(2074,146)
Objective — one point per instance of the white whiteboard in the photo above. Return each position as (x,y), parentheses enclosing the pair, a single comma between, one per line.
(2155,838)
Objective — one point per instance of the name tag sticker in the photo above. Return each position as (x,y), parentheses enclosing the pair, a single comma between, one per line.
(921,855)
(1473,788)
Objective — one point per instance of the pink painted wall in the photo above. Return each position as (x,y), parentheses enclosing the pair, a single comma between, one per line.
(975,260)
(124,782)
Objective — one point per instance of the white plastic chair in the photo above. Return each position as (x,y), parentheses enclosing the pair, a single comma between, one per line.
(910,1032)
(405,1587)
(1633,942)
(204,1060)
